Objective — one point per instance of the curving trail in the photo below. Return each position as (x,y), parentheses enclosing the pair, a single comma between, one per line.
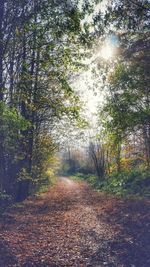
(72,225)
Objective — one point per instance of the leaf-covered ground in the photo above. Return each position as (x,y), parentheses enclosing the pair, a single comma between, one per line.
(72,225)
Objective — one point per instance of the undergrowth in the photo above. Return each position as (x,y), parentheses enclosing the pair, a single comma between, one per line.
(43,188)
(135,183)
(129,183)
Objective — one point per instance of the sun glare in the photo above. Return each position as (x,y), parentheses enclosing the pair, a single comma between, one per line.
(106,52)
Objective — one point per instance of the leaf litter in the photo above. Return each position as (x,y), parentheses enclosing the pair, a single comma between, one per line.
(73,225)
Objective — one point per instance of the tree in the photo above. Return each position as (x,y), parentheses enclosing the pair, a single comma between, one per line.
(38,48)
(126,108)
(97,155)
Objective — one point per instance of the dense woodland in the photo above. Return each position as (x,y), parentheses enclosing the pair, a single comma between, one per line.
(42,44)
(74,174)
(36,48)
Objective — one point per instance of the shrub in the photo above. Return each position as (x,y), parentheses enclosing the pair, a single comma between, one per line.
(128,183)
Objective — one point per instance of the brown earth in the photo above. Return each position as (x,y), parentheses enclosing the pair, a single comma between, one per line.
(73,225)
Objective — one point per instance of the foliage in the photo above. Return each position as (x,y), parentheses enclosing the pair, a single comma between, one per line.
(39,47)
(44,187)
(124,117)
(129,183)
(90,178)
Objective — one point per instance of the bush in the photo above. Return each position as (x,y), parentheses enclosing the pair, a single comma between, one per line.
(128,183)
(131,183)
(92,179)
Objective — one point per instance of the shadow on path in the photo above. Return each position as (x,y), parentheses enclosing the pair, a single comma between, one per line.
(131,245)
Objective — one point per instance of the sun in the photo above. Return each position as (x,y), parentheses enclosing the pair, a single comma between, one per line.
(106,52)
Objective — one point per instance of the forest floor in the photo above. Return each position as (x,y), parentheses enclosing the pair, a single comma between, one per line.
(73,225)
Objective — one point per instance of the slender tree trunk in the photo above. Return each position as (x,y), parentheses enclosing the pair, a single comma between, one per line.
(11,88)
(118,158)
(23,186)
(33,87)
(1,47)
(146,134)
(2,158)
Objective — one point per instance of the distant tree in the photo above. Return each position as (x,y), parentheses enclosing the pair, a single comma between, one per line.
(97,155)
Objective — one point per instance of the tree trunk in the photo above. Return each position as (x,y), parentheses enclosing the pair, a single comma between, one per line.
(2,158)
(118,158)
(146,134)
(1,48)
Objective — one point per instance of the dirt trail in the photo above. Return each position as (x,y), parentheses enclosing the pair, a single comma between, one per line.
(72,225)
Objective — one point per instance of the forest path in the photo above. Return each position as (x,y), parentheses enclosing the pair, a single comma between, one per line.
(73,225)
